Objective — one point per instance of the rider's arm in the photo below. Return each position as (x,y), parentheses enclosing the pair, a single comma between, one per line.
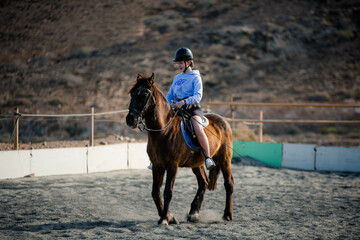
(197,92)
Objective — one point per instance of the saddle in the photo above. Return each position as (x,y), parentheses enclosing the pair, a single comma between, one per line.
(188,132)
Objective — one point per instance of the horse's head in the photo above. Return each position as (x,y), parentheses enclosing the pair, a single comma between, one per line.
(140,94)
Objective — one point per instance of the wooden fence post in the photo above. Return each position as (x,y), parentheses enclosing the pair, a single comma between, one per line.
(261,117)
(232,111)
(16,130)
(91,130)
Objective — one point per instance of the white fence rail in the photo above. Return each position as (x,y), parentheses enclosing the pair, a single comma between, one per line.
(82,160)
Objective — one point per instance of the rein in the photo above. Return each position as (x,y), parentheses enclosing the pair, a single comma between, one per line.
(155,130)
(141,121)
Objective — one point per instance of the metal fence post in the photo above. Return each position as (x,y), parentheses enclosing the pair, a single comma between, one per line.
(232,115)
(91,130)
(261,117)
(16,129)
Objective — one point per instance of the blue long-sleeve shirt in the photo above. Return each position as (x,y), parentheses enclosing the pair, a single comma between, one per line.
(186,85)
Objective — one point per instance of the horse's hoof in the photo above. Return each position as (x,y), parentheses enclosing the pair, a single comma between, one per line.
(193,217)
(173,220)
(227,218)
(163,222)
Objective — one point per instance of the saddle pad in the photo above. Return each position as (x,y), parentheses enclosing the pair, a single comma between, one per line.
(187,137)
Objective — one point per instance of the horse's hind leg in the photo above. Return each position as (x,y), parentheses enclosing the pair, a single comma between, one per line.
(229,186)
(199,197)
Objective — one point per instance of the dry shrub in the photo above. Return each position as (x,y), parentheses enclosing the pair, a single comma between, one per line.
(18,102)
(270,98)
(242,132)
(318,97)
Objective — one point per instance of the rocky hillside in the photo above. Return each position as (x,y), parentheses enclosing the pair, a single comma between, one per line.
(66,56)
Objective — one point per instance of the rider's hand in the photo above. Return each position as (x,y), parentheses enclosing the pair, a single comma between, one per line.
(179,104)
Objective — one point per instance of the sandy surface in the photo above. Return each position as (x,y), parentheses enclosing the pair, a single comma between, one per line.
(269,203)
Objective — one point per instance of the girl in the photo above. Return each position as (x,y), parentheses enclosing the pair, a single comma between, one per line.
(187,90)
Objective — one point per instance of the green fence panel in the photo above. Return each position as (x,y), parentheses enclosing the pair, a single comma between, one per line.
(269,153)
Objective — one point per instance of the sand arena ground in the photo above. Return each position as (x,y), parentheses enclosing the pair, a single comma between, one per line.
(269,203)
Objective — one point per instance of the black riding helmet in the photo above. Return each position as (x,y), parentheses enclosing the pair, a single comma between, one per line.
(183,54)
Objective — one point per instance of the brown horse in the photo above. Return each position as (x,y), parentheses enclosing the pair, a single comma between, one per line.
(168,151)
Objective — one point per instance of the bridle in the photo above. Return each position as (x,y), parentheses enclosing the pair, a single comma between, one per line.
(138,92)
(141,124)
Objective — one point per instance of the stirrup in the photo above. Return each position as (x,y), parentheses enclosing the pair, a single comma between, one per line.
(209,163)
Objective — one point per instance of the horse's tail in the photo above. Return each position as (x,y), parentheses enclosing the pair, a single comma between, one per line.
(213,177)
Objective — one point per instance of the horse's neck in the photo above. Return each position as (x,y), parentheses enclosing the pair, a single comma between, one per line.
(161,114)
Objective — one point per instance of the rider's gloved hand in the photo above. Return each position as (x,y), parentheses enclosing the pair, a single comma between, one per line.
(179,104)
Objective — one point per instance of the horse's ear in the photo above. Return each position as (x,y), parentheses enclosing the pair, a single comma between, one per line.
(152,79)
(139,76)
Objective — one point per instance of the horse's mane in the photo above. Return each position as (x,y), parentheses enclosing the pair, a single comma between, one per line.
(140,82)
(144,81)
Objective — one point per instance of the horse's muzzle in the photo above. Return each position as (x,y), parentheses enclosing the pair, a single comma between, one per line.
(131,120)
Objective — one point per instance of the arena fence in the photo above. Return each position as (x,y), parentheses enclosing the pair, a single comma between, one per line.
(91,116)
(44,162)
(81,160)
(123,156)
(261,121)
(300,156)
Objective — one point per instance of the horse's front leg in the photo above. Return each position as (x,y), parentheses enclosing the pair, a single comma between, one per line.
(202,185)
(166,217)
(158,178)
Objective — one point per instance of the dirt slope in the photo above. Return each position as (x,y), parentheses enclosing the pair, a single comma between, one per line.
(64,57)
